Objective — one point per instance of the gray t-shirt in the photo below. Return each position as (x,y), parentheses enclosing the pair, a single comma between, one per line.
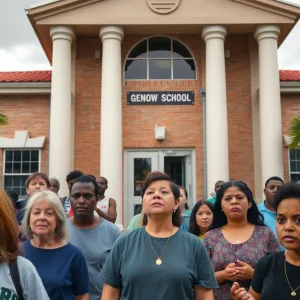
(30,280)
(131,267)
(95,244)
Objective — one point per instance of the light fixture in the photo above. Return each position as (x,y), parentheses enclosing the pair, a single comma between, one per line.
(160,132)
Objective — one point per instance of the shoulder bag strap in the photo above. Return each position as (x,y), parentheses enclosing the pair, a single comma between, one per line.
(14,273)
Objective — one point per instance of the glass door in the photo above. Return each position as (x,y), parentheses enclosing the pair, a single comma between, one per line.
(138,165)
(177,164)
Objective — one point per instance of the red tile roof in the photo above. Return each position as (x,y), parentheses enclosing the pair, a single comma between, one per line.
(286,75)
(45,76)
(29,76)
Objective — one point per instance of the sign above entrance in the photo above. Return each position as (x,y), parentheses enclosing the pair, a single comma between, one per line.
(160,98)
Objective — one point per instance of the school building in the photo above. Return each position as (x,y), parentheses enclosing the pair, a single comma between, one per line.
(188,87)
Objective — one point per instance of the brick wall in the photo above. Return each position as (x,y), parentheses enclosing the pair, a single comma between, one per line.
(238,81)
(290,108)
(87,106)
(183,123)
(30,113)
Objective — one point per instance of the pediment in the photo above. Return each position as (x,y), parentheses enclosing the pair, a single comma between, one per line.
(189,12)
(87,16)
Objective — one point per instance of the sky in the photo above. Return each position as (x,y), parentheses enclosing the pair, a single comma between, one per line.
(20,49)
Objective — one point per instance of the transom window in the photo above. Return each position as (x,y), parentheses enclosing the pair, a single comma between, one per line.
(295,165)
(18,165)
(160,58)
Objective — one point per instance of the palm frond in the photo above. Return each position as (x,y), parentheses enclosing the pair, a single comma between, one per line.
(294,133)
(3,119)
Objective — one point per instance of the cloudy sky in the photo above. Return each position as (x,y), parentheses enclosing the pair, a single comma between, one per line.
(20,49)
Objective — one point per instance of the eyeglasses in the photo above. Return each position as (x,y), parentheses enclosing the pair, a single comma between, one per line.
(86,196)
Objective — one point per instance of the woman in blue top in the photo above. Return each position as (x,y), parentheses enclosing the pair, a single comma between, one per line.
(158,261)
(61,266)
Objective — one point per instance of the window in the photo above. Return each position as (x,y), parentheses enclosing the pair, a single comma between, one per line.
(160,58)
(295,165)
(18,165)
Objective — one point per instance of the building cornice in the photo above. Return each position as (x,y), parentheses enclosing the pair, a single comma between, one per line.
(33,88)
(291,87)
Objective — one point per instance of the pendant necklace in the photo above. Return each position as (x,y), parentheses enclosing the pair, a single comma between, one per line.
(293,293)
(158,258)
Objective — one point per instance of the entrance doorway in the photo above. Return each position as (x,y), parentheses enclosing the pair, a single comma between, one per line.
(178,164)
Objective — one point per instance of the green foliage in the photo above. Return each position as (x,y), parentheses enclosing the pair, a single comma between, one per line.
(3,119)
(294,133)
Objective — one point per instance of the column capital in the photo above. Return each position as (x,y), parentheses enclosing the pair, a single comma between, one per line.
(111,32)
(214,32)
(62,32)
(267,31)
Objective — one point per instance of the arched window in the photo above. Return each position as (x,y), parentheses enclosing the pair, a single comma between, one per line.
(159,58)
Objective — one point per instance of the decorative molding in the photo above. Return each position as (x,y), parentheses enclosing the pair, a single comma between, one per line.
(290,87)
(17,88)
(163,6)
(22,140)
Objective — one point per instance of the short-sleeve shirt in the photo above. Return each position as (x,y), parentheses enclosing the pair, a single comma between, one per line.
(269,278)
(63,270)
(222,253)
(31,283)
(131,267)
(95,244)
(135,222)
(269,218)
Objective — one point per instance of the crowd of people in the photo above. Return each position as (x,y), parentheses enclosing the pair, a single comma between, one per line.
(224,248)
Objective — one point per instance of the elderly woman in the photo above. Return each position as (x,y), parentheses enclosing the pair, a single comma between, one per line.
(60,265)
(158,261)
(238,238)
(18,277)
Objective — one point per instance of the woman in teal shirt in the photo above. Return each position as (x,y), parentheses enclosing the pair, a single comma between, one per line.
(158,261)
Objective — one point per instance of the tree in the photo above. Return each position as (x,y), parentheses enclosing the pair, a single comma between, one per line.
(294,133)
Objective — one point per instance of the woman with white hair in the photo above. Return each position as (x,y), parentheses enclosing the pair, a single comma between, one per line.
(61,266)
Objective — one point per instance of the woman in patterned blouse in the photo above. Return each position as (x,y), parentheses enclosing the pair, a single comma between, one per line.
(238,238)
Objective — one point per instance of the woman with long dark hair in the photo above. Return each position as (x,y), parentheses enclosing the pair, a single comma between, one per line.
(158,261)
(238,238)
(277,276)
(201,218)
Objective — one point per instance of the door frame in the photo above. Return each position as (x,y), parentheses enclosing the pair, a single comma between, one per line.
(191,190)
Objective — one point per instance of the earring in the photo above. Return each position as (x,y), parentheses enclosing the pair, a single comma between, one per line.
(174,211)
(56,230)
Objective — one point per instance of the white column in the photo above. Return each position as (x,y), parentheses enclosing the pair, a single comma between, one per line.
(270,104)
(111,114)
(216,106)
(60,112)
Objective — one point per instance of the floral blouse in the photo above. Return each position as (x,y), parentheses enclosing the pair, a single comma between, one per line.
(222,253)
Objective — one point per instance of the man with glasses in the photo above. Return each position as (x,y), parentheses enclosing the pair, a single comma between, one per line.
(94,235)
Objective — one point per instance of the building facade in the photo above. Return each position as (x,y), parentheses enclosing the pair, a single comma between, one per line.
(182,87)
